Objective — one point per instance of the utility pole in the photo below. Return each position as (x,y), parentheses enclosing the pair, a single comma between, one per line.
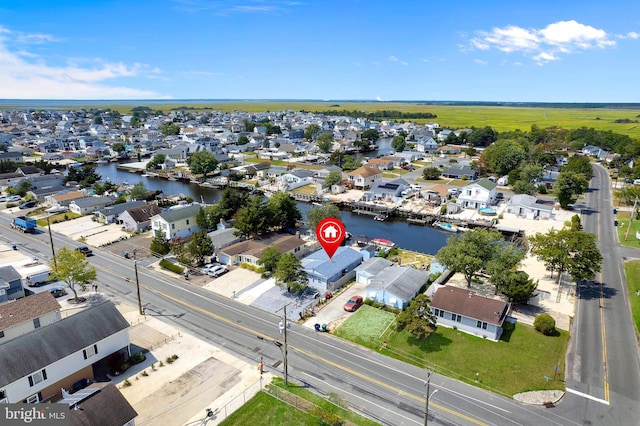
(426,407)
(53,251)
(135,266)
(284,331)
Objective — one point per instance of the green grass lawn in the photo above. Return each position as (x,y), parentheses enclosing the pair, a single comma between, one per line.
(517,363)
(265,410)
(632,271)
(623,226)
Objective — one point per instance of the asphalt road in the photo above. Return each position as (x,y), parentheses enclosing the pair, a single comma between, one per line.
(386,390)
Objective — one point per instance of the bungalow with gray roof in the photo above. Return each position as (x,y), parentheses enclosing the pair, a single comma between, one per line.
(37,365)
(88,205)
(469,312)
(396,286)
(10,284)
(370,268)
(529,207)
(110,214)
(460,172)
(326,274)
(297,178)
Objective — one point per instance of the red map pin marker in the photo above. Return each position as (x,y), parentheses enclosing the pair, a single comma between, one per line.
(330,233)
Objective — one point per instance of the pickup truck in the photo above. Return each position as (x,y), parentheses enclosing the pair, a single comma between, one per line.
(24,223)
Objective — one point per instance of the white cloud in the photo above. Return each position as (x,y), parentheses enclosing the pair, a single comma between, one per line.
(234,6)
(392,59)
(631,34)
(379,98)
(544,45)
(24,75)
(480,62)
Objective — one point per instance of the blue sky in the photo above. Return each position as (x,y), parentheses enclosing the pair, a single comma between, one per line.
(467,50)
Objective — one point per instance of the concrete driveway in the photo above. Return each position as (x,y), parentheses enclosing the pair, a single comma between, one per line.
(332,312)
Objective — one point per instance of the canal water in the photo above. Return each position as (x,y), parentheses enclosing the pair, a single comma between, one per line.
(423,239)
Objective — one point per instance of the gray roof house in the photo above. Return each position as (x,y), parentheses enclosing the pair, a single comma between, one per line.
(177,222)
(10,284)
(38,364)
(109,214)
(224,237)
(370,268)
(98,400)
(391,190)
(396,286)
(460,172)
(528,206)
(88,205)
(326,274)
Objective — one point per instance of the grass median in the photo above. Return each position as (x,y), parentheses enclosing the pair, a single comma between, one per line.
(517,363)
(632,271)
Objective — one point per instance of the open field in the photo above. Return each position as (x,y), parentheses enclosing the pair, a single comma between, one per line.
(517,363)
(501,118)
(632,271)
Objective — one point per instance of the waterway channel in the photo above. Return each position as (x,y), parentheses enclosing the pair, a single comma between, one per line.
(408,236)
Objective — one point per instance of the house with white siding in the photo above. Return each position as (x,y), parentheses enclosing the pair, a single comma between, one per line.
(177,222)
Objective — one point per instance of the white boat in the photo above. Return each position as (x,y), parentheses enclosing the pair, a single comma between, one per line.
(446,226)
(381,217)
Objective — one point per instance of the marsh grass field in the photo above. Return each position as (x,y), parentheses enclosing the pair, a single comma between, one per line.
(500,118)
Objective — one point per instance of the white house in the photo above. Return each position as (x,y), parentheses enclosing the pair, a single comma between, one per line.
(297,178)
(364,177)
(176,223)
(529,207)
(37,365)
(469,312)
(479,194)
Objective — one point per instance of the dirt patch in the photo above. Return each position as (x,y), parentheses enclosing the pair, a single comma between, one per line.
(140,243)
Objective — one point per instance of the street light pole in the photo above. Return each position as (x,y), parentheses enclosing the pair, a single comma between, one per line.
(53,251)
(135,266)
(426,407)
(286,363)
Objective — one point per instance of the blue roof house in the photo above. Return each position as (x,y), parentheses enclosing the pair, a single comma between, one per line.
(326,274)
(396,286)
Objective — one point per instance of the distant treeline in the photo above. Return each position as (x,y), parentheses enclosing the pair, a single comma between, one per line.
(533,104)
(180,108)
(378,115)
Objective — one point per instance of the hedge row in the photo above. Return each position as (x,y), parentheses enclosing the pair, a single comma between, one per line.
(171,266)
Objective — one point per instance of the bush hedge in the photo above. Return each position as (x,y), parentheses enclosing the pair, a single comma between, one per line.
(171,266)
(545,324)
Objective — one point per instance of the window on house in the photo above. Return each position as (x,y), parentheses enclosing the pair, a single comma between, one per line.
(456,317)
(33,399)
(90,351)
(36,322)
(37,377)
(481,324)
(484,325)
(173,226)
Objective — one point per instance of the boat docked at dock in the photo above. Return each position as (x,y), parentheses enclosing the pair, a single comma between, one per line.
(383,242)
(445,226)
(380,217)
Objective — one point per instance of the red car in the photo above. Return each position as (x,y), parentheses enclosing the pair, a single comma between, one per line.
(353,304)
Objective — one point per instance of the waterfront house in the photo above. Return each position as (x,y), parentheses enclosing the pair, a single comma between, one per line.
(476,195)
(324,173)
(364,177)
(224,237)
(37,365)
(370,268)
(396,286)
(10,284)
(250,251)
(138,218)
(325,274)
(391,190)
(24,315)
(529,207)
(177,222)
(297,178)
(469,312)
(380,163)
(88,205)
(426,144)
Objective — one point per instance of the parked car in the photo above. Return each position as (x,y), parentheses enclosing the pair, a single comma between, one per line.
(85,250)
(216,271)
(353,304)
(13,198)
(58,292)
(500,196)
(3,198)
(209,266)
(28,204)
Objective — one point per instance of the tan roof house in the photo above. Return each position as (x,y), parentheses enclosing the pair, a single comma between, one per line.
(250,251)
(64,199)
(364,177)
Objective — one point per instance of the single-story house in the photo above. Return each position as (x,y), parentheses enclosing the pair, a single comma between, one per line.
(224,237)
(460,172)
(297,178)
(469,312)
(396,286)
(250,251)
(479,194)
(529,207)
(325,274)
(110,214)
(380,164)
(391,190)
(370,268)
(65,198)
(138,218)
(88,205)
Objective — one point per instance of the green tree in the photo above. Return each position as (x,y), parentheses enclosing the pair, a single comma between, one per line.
(579,164)
(200,247)
(482,137)
(97,120)
(431,173)
(318,213)
(333,178)
(324,141)
(101,187)
(138,191)
(503,156)
(243,140)
(118,147)
(575,252)
(417,318)
(469,253)
(289,273)
(269,258)
(160,245)
(545,324)
(370,135)
(524,187)
(86,175)
(202,220)
(156,161)
(254,218)
(310,131)
(202,163)
(398,143)
(71,267)
(170,129)
(506,258)
(568,187)
(284,212)
(517,286)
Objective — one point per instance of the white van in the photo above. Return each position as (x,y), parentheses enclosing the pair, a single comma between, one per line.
(34,280)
